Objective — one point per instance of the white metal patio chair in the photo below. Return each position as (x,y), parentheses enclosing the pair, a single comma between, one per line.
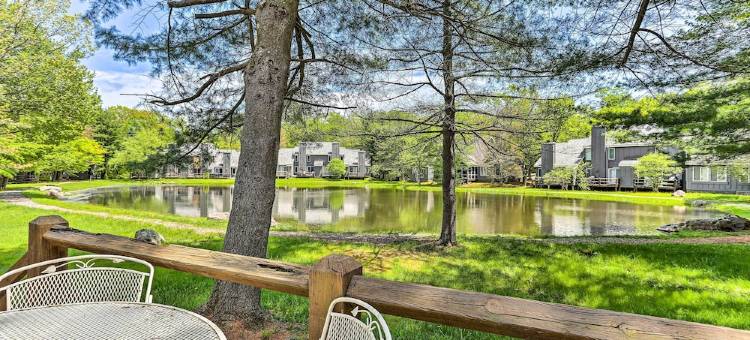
(349,326)
(77,279)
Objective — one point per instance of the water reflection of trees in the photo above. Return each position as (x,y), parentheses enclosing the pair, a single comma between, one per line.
(383,210)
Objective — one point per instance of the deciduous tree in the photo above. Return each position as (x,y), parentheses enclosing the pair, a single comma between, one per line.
(654,168)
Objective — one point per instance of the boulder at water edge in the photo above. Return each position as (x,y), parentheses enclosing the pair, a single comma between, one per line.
(699,203)
(725,223)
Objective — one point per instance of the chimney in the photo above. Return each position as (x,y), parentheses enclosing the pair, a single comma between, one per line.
(226,161)
(335,150)
(548,158)
(302,158)
(598,151)
(361,164)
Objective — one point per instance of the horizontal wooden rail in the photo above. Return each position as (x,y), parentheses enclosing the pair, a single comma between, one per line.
(523,318)
(256,272)
(341,276)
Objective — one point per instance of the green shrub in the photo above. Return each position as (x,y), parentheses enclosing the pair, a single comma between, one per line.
(336,168)
(654,168)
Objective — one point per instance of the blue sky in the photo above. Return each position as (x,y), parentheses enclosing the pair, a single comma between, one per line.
(115,79)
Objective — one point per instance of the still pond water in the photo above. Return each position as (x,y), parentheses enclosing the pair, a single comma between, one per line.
(404,211)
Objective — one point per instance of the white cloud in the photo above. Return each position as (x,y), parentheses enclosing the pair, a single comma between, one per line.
(124,88)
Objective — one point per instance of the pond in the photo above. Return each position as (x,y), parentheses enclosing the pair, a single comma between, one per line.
(406,211)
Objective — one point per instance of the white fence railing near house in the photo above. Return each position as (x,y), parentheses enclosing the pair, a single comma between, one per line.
(643,183)
(604,182)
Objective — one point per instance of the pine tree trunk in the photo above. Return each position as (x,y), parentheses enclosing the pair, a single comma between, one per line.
(254,191)
(448,230)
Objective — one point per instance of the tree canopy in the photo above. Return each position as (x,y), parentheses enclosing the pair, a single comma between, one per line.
(48,101)
(709,118)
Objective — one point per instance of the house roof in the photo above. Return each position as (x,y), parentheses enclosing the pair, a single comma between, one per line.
(713,160)
(628,144)
(479,155)
(286,156)
(568,153)
(318,148)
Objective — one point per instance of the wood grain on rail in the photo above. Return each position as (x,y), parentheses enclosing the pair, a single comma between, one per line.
(523,318)
(256,272)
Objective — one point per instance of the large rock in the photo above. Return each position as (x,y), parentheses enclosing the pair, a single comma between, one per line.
(149,236)
(725,223)
(699,203)
(47,188)
(678,193)
(52,191)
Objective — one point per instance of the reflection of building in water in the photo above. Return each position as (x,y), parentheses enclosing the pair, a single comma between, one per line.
(570,217)
(195,201)
(313,206)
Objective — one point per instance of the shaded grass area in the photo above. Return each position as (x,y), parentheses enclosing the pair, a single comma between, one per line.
(702,283)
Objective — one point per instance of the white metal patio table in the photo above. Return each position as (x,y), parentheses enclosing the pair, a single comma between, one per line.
(106,320)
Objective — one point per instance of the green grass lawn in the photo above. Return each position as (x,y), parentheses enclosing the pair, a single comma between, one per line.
(702,283)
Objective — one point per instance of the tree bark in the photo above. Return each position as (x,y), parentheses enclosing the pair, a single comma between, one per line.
(254,192)
(448,230)
(3,183)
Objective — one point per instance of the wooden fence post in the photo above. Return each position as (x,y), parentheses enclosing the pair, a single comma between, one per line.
(39,249)
(329,279)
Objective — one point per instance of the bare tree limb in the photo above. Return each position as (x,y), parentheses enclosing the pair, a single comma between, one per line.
(188,3)
(240,11)
(634,31)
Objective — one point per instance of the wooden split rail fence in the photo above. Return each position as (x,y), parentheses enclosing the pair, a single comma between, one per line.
(336,275)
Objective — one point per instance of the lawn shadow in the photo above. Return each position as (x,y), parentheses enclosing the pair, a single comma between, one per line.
(673,284)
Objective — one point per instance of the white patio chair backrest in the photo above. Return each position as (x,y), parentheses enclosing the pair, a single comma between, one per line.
(363,322)
(79,279)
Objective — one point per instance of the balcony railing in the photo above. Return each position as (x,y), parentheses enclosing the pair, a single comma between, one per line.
(667,184)
(604,181)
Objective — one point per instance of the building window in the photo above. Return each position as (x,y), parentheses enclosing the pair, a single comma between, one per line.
(721,173)
(701,174)
(587,155)
(307,158)
(611,154)
(613,172)
(309,169)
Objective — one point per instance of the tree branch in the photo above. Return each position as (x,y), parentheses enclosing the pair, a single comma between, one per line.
(240,11)
(319,105)
(634,30)
(188,3)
